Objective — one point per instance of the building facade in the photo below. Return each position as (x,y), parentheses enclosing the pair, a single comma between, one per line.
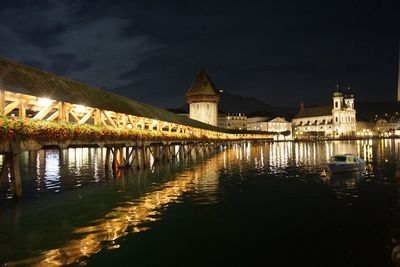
(203,98)
(388,126)
(279,125)
(338,120)
(237,121)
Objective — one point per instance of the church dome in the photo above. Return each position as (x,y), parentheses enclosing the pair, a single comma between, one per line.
(337,92)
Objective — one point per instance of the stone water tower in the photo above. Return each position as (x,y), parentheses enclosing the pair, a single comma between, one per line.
(203,98)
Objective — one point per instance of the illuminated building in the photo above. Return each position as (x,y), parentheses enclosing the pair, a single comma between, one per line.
(236,121)
(338,120)
(388,126)
(278,125)
(203,98)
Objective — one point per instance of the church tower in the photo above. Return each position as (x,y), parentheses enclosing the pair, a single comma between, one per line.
(203,99)
(337,112)
(343,113)
(337,99)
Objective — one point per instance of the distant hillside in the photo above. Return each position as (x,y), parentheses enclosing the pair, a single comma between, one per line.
(232,103)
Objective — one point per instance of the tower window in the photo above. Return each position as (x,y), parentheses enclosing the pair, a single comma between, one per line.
(336,119)
(208,106)
(336,104)
(197,106)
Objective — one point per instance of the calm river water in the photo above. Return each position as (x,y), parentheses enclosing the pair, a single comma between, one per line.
(252,205)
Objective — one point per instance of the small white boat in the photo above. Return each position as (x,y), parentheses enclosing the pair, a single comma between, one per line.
(346,163)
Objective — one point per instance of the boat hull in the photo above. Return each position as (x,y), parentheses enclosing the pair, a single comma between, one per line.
(347,167)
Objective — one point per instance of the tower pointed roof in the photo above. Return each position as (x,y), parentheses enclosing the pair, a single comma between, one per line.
(202,85)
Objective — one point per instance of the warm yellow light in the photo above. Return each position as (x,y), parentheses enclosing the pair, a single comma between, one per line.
(80,108)
(44,102)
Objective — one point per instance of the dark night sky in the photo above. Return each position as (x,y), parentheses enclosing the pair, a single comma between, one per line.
(281,52)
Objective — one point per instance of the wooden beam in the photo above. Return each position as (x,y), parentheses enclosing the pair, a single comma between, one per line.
(62,112)
(53,116)
(22,109)
(74,116)
(2,101)
(97,117)
(131,121)
(86,117)
(44,111)
(10,107)
(109,118)
(124,118)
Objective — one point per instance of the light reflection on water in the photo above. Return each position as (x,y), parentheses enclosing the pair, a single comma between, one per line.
(130,213)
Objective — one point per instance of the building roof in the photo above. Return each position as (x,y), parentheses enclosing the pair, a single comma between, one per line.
(314,112)
(202,85)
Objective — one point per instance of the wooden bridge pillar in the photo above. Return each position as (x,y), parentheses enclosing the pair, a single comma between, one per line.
(107,160)
(143,156)
(11,165)
(120,158)
(16,174)
(182,151)
(173,151)
(155,151)
(135,161)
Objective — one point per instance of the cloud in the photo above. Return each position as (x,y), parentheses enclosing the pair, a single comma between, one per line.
(93,51)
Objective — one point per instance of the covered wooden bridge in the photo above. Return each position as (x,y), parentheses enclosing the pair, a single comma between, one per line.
(39,110)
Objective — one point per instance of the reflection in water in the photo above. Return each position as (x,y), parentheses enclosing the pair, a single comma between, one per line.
(52,170)
(128,217)
(77,167)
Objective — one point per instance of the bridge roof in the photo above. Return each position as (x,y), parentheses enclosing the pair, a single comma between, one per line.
(23,79)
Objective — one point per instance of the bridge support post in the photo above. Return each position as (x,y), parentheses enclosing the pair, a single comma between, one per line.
(16,174)
(120,161)
(4,168)
(107,160)
(143,156)
(155,150)
(182,151)
(127,157)
(172,152)
(135,161)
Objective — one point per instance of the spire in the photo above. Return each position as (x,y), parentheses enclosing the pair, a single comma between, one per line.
(349,93)
(337,91)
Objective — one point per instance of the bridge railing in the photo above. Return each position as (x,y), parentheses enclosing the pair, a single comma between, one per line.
(31,107)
